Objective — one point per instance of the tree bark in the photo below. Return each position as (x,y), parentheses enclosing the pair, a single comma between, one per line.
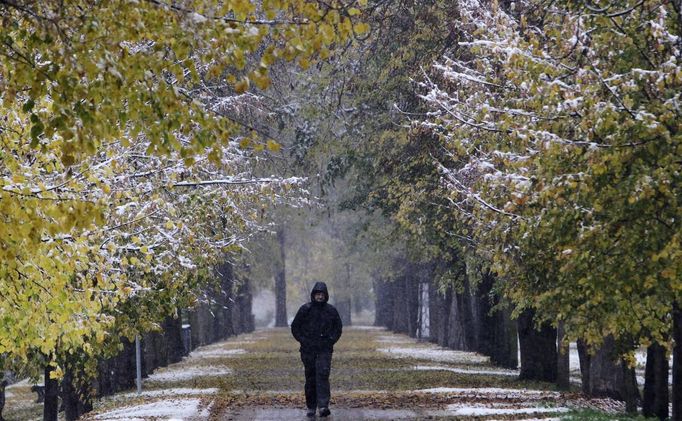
(51,403)
(412,298)
(147,352)
(228,302)
(563,361)
(442,310)
(104,378)
(400,317)
(199,323)
(172,331)
(3,384)
(344,307)
(677,363)
(610,377)
(655,399)
(630,391)
(495,331)
(505,351)
(585,360)
(461,334)
(344,301)
(124,366)
(241,309)
(69,395)
(281,284)
(385,302)
(75,391)
(538,349)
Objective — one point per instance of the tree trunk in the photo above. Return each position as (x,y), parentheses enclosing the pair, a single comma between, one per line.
(385,302)
(226,302)
(198,321)
(159,350)
(412,291)
(245,319)
(400,317)
(538,350)
(75,391)
(677,363)
(51,403)
(630,391)
(281,284)
(443,305)
(344,298)
(497,335)
(104,378)
(3,383)
(585,359)
(655,399)
(147,353)
(605,377)
(124,367)
(505,350)
(461,334)
(69,395)
(563,361)
(610,377)
(343,306)
(172,331)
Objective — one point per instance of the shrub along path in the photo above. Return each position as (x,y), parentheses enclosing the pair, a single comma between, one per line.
(375,375)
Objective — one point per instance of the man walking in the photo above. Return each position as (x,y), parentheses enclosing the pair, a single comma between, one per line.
(317,327)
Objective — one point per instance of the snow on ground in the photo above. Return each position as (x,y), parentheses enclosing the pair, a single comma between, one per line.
(499,372)
(367,328)
(492,392)
(394,340)
(171,409)
(179,373)
(244,342)
(481,410)
(436,354)
(23,383)
(216,352)
(542,419)
(173,392)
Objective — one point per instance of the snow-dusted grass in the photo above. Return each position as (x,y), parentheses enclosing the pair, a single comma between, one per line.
(216,352)
(180,373)
(492,372)
(394,340)
(481,410)
(171,409)
(242,343)
(179,391)
(436,354)
(492,392)
(378,328)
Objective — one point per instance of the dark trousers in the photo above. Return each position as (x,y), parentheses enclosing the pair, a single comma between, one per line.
(317,368)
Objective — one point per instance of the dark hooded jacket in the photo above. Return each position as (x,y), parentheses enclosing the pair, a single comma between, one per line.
(317,326)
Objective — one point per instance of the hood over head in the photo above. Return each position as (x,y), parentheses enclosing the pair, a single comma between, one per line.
(319,287)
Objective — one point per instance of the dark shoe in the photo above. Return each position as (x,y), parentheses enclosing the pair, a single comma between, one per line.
(310,413)
(324,412)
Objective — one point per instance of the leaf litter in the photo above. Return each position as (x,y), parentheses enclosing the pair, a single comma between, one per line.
(367,375)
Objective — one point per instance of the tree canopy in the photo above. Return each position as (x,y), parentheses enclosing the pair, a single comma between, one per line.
(563,124)
(123,164)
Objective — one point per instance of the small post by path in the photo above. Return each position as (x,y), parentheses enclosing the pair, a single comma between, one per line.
(138,364)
